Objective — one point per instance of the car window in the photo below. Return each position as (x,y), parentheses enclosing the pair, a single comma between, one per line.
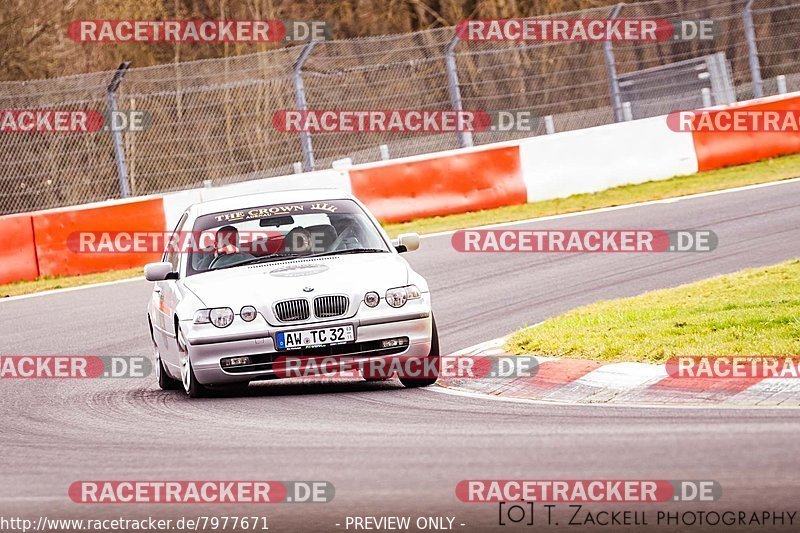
(281,232)
(172,256)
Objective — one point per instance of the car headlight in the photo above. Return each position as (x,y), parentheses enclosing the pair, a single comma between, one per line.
(372,299)
(248,313)
(222,317)
(399,296)
(201,316)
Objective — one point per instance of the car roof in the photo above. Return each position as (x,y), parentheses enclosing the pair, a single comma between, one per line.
(247,201)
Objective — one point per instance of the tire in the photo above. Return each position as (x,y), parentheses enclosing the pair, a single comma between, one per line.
(192,387)
(413,383)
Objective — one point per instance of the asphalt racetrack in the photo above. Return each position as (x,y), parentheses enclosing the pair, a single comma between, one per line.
(388,450)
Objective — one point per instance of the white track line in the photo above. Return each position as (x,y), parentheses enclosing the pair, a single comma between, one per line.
(69,289)
(497,225)
(670,200)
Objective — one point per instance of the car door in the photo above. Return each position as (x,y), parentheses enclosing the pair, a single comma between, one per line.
(166,296)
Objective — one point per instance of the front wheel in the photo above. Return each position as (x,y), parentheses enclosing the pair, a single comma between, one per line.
(413,383)
(193,388)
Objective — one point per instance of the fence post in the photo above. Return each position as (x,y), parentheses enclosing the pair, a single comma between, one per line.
(549,125)
(705,95)
(300,100)
(627,111)
(464,137)
(752,50)
(116,135)
(611,70)
(781,80)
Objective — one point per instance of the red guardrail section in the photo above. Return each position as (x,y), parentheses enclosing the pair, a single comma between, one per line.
(724,149)
(53,228)
(441,185)
(18,251)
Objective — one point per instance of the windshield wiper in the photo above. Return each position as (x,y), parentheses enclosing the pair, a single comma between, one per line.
(350,251)
(289,256)
(266,259)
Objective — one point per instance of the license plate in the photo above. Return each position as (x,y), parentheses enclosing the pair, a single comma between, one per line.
(292,340)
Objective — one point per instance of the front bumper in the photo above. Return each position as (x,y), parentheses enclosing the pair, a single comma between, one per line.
(206,354)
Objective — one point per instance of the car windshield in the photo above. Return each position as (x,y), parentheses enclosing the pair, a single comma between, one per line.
(283,231)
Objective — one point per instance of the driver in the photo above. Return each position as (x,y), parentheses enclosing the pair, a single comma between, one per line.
(226,250)
(226,241)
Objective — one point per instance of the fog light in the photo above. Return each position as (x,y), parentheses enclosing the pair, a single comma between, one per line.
(372,299)
(248,313)
(394,343)
(235,361)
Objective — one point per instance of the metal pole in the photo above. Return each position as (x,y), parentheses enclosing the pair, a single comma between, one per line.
(549,125)
(611,70)
(627,112)
(781,84)
(464,137)
(752,49)
(300,100)
(705,94)
(116,135)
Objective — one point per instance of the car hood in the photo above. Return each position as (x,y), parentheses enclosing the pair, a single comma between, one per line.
(264,284)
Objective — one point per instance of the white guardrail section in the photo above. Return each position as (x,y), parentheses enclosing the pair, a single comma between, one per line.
(593,159)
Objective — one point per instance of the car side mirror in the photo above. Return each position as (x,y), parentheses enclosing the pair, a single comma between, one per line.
(159,271)
(407,242)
